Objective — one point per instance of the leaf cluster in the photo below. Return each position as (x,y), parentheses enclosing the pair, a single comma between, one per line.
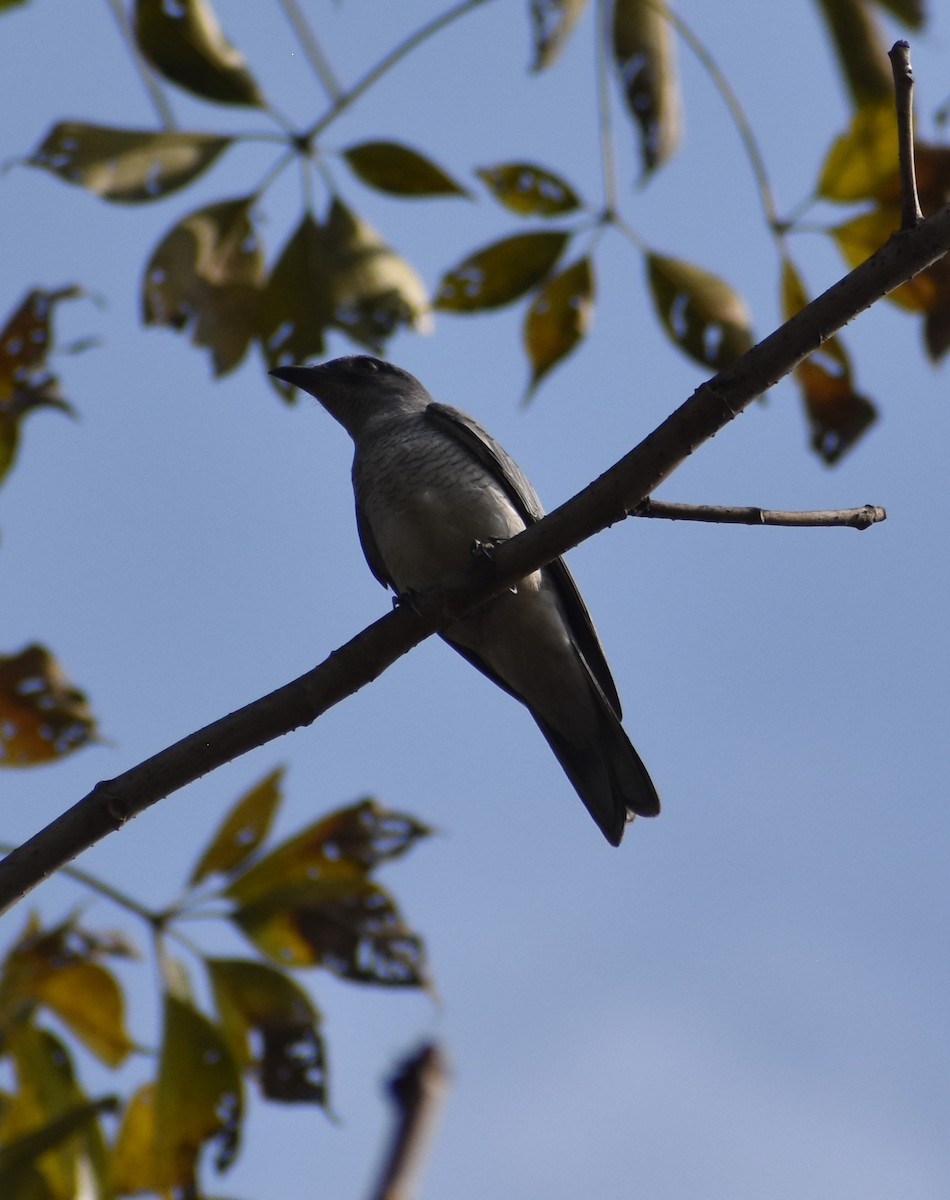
(310,901)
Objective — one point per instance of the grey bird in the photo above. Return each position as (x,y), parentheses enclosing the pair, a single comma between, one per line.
(430,486)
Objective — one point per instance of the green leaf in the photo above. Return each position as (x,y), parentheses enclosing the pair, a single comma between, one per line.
(703,315)
(242,830)
(47,1092)
(501,272)
(396,169)
(559,317)
(26,383)
(42,715)
(127,166)
(644,52)
(254,997)
(529,190)
(206,274)
(198,1098)
(296,303)
(552,22)
(372,290)
(134,1165)
(862,163)
(184,41)
(340,920)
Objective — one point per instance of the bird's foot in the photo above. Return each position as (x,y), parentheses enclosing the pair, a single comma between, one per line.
(486,549)
(406,599)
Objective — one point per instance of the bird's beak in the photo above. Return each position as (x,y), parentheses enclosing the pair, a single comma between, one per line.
(301,377)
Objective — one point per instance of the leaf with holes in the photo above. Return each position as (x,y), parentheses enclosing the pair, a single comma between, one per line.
(206,274)
(42,716)
(184,41)
(253,997)
(559,317)
(198,1099)
(127,166)
(838,415)
(398,170)
(340,920)
(242,830)
(501,272)
(703,315)
(552,22)
(26,383)
(645,57)
(529,190)
(372,290)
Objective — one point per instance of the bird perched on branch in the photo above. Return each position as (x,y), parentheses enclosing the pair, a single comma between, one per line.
(430,484)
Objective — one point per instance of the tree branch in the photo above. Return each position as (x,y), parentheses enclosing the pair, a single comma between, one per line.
(850,518)
(603,503)
(899,54)
(417,1089)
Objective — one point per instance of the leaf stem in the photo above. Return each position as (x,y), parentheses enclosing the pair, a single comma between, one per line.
(146,74)
(608,163)
(312,49)
(346,99)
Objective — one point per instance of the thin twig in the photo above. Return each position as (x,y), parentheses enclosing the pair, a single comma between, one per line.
(417,1089)
(312,49)
(147,75)
(848,518)
(608,165)
(899,54)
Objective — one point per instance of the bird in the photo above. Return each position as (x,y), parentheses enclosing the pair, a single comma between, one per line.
(431,486)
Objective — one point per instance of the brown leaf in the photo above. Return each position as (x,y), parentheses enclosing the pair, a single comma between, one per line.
(206,274)
(242,830)
(559,317)
(500,272)
(529,190)
(339,920)
(26,383)
(837,415)
(185,42)
(551,24)
(42,716)
(127,166)
(254,997)
(398,170)
(703,315)
(645,55)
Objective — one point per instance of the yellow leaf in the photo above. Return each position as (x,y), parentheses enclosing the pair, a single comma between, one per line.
(703,315)
(559,317)
(552,22)
(862,163)
(243,829)
(529,190)
(198,1098)
(500,272)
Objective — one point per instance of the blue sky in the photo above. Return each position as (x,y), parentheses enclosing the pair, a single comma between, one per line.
(750,996)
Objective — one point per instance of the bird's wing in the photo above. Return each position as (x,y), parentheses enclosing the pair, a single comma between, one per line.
(503,468)
(371,551)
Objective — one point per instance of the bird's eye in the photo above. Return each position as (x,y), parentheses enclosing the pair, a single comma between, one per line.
(365,363)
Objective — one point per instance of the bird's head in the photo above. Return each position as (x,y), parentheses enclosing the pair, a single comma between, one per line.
(358,388)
